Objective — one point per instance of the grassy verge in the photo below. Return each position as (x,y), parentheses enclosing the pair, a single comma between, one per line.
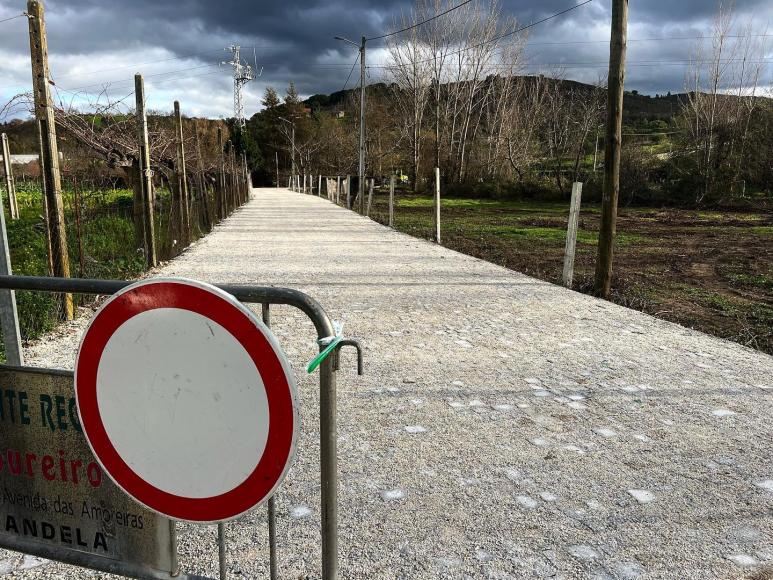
(100,239)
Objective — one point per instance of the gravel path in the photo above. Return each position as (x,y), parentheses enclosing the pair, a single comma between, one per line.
(506,427)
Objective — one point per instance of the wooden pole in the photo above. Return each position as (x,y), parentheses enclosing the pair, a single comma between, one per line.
(10,186)
(78,229)
(571,235)
(182,176)
(348,192)
(49,164)
(44,200)
(220,201)
(319,189)
(146,174)
(9,316)
(234,179)
(247,179)
(277,167)
(338,189)
(392,201)
(371,185)
(202,184)
(437,205)
(612,148)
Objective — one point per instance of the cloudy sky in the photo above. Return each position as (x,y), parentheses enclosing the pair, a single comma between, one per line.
(179,44)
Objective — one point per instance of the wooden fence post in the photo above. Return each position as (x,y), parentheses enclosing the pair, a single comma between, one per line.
(146,174)
(338,189)
(392,201)
(49,164)
(220,194)
(10,185)
(437,205)
(247,179)
(319,190)
(348,192)
(234,179)
(371,185)
(202,184)
(571,235)
(44,200)
(182,176)
(9,316)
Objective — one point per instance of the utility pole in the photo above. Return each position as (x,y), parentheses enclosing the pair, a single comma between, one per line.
(612,148)
(146,174)
(49,164)
(10,186)
(361,185)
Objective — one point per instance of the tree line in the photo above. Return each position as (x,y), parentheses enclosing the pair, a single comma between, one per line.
(455,95)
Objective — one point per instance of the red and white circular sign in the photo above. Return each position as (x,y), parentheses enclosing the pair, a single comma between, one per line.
(187,400)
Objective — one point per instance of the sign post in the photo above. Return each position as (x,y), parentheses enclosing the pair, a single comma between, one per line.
(205,428)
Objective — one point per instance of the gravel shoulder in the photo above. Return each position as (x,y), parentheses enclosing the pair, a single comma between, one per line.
(505,428)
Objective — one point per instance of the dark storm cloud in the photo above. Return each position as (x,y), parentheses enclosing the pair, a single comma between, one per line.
(294,37)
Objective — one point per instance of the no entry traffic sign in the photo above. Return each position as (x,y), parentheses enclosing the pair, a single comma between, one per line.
(186,399)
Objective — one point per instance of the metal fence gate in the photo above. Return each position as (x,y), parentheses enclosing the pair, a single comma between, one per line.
(266,296)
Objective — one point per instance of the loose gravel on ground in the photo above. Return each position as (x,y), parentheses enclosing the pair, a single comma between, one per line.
(505,428)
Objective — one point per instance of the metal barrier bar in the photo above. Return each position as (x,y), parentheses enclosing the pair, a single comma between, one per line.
(327,380)
(273,557)
(221,551)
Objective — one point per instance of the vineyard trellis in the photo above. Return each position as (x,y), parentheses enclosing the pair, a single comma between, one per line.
(127,189)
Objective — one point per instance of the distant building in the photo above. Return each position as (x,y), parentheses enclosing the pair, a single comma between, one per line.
(27,158)
(22,159)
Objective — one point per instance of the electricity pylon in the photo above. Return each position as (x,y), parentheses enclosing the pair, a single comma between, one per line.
(243,73)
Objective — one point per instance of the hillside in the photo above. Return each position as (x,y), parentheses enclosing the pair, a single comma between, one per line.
(637,107)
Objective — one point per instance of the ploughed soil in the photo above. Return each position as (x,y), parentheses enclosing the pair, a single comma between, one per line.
(708,270)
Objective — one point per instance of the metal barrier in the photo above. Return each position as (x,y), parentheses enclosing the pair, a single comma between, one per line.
(266,296)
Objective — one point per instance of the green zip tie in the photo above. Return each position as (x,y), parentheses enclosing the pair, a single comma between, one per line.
(331,342)
(316,361)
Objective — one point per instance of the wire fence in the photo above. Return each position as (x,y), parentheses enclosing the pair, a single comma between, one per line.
(102,237)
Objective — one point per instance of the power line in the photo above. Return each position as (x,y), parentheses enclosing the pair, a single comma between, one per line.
(522,28)
(515,31)
(571,64)
(419,23)
(13,17)
(356,60)
(118,81)
(150,62)
(654,39)
(93,72)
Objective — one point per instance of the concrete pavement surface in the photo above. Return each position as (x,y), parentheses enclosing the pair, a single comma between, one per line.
(505,428)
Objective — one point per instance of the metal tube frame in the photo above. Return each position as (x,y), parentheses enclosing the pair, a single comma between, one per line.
(265,295)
